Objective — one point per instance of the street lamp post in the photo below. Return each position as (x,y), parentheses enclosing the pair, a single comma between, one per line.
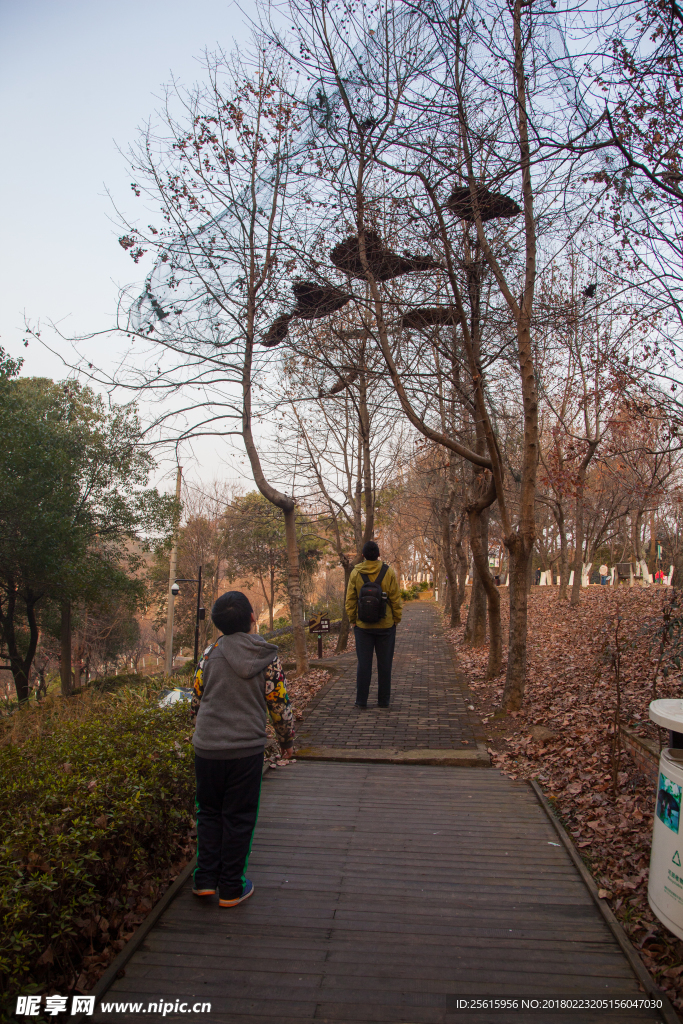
(200,613)
(173,561)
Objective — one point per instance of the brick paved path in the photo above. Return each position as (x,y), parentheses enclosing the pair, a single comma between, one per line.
(428,721)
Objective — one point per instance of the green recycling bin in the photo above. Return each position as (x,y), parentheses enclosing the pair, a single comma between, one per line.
(665,888)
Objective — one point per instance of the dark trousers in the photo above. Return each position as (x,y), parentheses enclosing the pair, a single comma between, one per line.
(228,794)
(382,642)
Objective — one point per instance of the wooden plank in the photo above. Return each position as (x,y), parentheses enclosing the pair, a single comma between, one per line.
(444,971)
(301,956)
(358,949)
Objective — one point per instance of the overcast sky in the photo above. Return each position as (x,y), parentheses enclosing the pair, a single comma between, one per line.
(77,78)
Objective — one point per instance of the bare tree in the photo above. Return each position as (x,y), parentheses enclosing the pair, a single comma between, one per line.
(219,172)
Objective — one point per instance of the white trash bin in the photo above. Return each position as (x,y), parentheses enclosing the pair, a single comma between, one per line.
(665,888)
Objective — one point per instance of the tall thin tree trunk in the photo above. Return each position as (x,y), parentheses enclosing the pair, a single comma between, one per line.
(520,541)
(480,555)
(446,531)
(296,601)
(77,669)
(520,559)
(368,492)
(578,550)
(475,627)
(343,640)
(21,666)
(287,505)
(564,555)
(461,571)
(65,649)
(653,545)
(637,541)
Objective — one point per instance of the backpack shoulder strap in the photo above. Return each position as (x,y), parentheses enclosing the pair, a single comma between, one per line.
(382,573)
(365,579)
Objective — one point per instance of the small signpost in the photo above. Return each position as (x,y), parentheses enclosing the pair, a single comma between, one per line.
(320,624)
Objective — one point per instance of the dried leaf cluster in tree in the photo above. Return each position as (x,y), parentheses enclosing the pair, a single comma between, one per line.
(384,264)
(491,204)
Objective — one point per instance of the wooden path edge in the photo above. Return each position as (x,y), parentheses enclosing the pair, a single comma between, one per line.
(637,966)
(477,757)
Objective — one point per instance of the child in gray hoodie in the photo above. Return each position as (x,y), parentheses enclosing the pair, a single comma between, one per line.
(237,683)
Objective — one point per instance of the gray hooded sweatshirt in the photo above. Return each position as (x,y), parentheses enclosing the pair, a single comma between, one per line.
(231,721)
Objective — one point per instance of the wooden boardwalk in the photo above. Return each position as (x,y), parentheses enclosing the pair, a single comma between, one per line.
(383,892)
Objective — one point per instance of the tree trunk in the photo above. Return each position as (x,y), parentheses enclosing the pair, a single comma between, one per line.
(480,555)
(636,540)
(296,603)
(578,550)
(461,573)
(520,541)
(368,491)
(65,658)
(564,555)
(446,530)
(475,626)
(287,505)
(343,639)
(21,667)
(475,629)
(520,559)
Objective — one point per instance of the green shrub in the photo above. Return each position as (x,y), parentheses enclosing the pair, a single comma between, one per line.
(110,683)
(96,796)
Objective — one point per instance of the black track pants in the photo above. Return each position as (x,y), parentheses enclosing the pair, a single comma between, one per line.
(228,795)
(382,642)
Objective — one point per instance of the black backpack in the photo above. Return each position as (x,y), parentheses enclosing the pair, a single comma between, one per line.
(372,601)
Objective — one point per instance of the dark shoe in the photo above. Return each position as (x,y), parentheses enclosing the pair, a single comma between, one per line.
(248,890)
(361,707)
(204,892)
(384,705)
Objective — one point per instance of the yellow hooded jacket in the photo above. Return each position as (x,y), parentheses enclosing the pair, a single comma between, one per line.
(390,587)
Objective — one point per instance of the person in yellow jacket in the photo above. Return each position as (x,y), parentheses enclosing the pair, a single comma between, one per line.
(374,607)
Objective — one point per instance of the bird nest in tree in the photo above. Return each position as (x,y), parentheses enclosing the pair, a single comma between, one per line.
(314,300)
(491,204)
(430,316)
(277,331)
(383,263)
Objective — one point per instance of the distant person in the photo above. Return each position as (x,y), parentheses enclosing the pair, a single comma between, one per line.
(604,573)
(237,683)
(659,576)
(374,607)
